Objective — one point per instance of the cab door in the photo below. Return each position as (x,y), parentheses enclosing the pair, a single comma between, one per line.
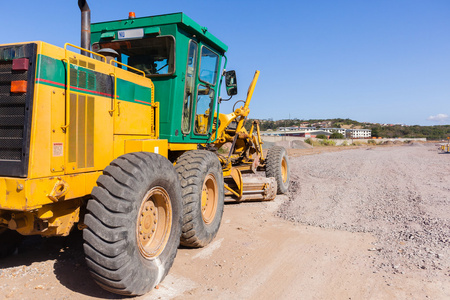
(205,101)
(190,87)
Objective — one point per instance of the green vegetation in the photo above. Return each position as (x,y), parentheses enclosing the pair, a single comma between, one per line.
(336,135)
(312,142)
(320,142)
(438,132)
(327,143)
(321,136)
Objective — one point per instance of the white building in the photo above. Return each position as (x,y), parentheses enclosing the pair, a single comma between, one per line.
(296,128)
(332,130)
(312,132)
(307,129)
(359,133)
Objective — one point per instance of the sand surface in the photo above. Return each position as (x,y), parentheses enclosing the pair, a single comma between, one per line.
(366,223)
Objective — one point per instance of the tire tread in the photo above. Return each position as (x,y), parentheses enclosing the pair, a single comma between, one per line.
(107,251)
(190,167)
(273,167)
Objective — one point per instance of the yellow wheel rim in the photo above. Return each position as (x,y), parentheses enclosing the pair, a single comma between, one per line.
(154,222)
(284,171)
(210,198)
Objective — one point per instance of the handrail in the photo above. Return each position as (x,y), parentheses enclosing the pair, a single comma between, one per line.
(111,111)
(118,62)
(115,82)
(67,95)
(82,49)
(155,105)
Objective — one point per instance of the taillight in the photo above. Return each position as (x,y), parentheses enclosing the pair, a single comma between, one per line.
(19,86)
(20,64)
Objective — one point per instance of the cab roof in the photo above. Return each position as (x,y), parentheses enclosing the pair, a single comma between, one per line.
(150,24)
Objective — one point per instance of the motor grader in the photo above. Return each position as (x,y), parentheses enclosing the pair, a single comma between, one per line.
(445,148)
(126,142)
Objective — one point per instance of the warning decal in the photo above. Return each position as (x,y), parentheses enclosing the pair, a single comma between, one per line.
(58,149)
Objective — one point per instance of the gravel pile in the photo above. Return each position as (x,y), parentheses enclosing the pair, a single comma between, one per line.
(285,144)
(299,144)
(399,194)
(294,144)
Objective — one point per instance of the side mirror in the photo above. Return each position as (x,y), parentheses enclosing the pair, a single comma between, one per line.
(231,83)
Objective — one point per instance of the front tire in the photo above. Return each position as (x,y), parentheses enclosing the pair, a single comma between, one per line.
(277,165)
(201,178)
(134,223)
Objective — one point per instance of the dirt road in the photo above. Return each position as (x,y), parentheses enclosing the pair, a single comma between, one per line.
(358,224)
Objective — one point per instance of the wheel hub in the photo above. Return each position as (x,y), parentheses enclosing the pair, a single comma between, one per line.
(210,198)
(284,170)
(154,222)
(149,220)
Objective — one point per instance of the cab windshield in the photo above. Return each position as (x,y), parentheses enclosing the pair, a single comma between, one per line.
(154,56)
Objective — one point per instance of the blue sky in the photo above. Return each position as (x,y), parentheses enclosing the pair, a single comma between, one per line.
(382,61)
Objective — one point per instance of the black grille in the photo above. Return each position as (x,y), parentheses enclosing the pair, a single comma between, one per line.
(15,110)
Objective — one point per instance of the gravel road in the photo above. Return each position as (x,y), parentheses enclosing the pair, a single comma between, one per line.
(365,223)
(399,194)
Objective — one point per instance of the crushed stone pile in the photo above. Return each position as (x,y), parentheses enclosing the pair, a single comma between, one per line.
(299,144)
(399,194)
(285,144)
(294,144)
(415,144)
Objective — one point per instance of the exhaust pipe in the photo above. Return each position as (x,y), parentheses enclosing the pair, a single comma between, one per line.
(85,26)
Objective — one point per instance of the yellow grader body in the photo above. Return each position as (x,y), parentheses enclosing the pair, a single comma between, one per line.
(69,150)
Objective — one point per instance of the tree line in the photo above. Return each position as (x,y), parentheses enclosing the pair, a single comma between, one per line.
(437,132)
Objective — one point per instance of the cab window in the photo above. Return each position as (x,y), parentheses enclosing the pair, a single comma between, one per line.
(204,109)
(155,55)
(189,90)
(208,66)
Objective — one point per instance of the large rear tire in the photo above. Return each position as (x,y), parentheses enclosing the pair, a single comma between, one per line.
(134,223)
(201,178)
(277,165)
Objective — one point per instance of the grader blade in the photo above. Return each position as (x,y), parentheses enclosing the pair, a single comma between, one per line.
(239,188)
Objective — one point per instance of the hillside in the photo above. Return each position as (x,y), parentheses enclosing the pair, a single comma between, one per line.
(438,132)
